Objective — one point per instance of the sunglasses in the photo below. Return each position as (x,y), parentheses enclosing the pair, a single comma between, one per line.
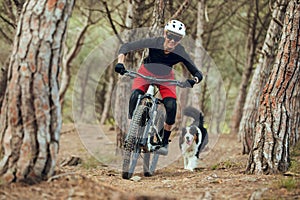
(174,37)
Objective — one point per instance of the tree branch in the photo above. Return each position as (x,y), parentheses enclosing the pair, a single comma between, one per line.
(7,38)
(181,9)
(8,22)
(111,22)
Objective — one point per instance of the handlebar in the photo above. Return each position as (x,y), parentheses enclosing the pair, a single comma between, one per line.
(153,80)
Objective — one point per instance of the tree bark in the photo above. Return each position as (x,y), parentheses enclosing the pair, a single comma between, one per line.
(262,72)
(158,18)
(278,113)
(31,114)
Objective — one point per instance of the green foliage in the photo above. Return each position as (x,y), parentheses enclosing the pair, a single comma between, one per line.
(295,166)
(224,37)
(289,183)
(227,164)
(96,34)
(295,152)
(90,163)
(295,159)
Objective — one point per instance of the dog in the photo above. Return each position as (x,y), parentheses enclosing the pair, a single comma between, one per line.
(193,138)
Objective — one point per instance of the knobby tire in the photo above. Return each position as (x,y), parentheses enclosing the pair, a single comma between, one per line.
(132,149)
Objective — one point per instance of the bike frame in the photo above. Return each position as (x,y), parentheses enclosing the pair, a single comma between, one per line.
(150,95)
(142,132)
(150,130)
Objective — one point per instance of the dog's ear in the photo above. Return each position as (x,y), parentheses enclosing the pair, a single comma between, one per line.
(197,137)
(183,132)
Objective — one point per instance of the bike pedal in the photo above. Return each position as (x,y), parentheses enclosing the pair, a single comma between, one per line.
(157,147)
(154,148)
(154,143)
(145,150)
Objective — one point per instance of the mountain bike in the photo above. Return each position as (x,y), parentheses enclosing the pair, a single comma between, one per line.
(145,132)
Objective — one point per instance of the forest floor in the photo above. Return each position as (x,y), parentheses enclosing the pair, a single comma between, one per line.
(220,176)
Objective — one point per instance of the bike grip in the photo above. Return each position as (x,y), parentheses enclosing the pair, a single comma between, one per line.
(190,83)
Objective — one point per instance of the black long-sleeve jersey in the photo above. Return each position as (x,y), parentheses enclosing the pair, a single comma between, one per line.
(157,62)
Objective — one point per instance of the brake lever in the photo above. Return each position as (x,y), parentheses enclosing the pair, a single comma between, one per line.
(130,74)
(181,84)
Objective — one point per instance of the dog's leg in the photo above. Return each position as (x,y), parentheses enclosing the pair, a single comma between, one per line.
(193,163)
(185,162)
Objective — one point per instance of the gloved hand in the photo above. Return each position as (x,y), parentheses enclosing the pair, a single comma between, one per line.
(189,83)
(119,68)
(198,77)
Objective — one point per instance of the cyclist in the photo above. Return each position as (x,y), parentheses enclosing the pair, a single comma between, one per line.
(164,52)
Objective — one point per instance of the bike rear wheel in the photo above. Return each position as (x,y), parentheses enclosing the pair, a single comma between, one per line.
(132,147)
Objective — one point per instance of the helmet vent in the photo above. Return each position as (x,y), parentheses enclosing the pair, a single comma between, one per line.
(175,26)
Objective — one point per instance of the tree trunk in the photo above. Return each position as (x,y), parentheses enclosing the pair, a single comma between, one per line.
(71,53)
(158,18)
(192,97)
(250,49)
(260,76)
(31,114)
(182,102)
(69,56)
(121,111)
(108,94)
(278,113)
(124,86)
(3,82)
(199,54)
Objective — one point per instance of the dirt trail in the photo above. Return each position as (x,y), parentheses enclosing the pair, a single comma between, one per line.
(219,176)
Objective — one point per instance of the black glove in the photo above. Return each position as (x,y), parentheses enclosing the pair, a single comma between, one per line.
(189,83)
(119,68)
(198,77)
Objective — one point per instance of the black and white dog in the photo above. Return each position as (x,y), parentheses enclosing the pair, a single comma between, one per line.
(193,138)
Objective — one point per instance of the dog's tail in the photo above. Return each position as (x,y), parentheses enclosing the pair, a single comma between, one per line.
(195,114)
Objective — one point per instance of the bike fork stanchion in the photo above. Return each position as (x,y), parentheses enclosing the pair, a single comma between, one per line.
(135,157)
(149,167)
(154,162)
(146,164)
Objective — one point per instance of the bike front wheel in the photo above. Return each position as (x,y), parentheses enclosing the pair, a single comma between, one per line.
(132,147)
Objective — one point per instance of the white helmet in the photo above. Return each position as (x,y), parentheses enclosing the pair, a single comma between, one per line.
(175,26)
